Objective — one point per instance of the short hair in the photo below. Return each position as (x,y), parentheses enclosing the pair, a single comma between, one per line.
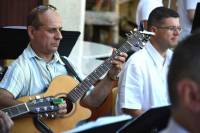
(33,17)
(158,14)
(185,64)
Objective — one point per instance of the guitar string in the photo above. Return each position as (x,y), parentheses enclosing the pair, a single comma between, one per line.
(77,92)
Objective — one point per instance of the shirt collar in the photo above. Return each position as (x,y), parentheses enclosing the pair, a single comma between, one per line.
(155,55)
(31,54)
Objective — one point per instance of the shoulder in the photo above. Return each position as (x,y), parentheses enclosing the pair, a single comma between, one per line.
(191,4)
(20,65)
(71,62)
(138,57)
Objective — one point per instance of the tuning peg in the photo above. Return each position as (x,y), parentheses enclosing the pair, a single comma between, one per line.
(46,115)
(147,33)
(37,97)
(37,110)
(52,116)
(48,98)
(45,108)
(131,32)
(128,35)
(135,29)
(40,115)
(52,107)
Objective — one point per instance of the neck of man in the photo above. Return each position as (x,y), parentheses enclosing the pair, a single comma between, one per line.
(45,56)
(161,50)
(187,120)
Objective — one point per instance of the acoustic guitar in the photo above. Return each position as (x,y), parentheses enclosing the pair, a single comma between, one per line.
(71,91)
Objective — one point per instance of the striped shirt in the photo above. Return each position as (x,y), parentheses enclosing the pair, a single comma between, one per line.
(30,74)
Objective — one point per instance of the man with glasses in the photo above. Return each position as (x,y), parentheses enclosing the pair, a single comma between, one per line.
(142,82)
(35,68)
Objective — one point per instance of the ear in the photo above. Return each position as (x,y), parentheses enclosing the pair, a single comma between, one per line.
(189,95)
(153,29)
(30,30)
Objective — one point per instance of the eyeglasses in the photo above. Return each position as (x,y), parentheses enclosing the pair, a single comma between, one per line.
(171,28)
(44,8)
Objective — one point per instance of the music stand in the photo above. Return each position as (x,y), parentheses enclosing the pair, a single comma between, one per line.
(108,124)
(153,120)
(14,40)
(196,20)
(109,128)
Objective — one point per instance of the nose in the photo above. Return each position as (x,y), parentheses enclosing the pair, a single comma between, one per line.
(58,35)
(177,31)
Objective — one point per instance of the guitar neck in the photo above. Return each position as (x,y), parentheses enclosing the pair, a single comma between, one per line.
(16,110)
(83,87)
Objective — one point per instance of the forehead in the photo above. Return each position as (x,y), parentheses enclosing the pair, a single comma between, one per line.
(171,21)
(50,18)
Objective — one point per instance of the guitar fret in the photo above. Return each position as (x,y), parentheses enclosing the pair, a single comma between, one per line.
(71,98)
(95,75)
(77,92)
(124,49)
(87,85)
(16,110)
(100,71)
(91,77)
(90,81)
(104,67)
(107,67)
(81,92)
(73,95)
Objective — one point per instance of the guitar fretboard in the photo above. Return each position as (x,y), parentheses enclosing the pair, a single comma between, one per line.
(134,42)
(17,110)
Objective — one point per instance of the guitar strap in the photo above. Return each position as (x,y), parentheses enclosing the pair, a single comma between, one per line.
(70,69)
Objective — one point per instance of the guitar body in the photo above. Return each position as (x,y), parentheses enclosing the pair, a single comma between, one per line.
(59,85)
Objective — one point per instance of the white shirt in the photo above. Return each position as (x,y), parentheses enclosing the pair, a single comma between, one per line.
(174,127)
(143,80)
(182,7)
(144,8)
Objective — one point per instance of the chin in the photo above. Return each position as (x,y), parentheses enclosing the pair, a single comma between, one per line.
(173,45)
(54,50)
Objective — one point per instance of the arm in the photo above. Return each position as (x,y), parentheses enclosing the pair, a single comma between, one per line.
(6,99)
(11,85)
(130,89)
(191,7)
(104,87)
(190,14)
(133,112)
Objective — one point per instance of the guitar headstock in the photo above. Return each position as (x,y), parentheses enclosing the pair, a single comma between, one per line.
(138,38)
(44,105)
(146,35)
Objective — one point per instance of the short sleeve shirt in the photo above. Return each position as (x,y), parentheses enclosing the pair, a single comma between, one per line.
(143,80)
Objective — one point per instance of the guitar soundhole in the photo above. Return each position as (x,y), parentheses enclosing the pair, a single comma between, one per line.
(69,105)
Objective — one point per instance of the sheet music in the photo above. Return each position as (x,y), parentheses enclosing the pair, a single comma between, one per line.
(99,122)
